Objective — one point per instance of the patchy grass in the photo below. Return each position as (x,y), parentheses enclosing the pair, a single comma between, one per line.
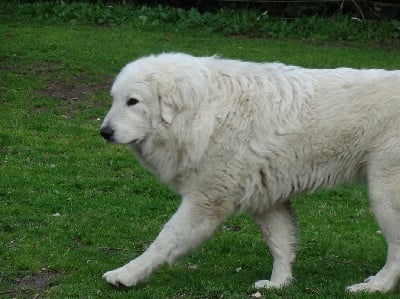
(73,207)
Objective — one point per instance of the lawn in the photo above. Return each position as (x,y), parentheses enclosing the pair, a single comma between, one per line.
(73,207)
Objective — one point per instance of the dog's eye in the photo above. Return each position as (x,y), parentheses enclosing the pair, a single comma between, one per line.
(132,101)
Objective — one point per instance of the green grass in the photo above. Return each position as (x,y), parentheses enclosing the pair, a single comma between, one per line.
(53,95)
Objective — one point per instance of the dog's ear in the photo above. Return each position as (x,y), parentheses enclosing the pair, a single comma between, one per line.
(169,97)
(180,97)
(168,108)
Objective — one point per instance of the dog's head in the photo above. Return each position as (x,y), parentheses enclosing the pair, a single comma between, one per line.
(161,109)
(140,102)
(130,118)
(150,92)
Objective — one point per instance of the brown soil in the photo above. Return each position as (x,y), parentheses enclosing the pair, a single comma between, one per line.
(75,88)
(38,281)
(32,285)
(70,86)
(62,84)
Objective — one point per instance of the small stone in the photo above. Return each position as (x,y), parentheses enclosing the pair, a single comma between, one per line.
(256,295)
(192,267)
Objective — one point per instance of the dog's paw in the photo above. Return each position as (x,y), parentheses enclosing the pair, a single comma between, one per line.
(121,276)
(359,287)
(371,285)
(267,284)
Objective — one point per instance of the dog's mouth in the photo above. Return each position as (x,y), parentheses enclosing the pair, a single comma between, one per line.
(139,140)
(136,141)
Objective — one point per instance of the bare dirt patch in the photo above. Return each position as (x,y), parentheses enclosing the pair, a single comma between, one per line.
(63,81)
(64,85)
(75,88)
(32,285)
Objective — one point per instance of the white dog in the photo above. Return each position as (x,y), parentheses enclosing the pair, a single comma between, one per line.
(238,136)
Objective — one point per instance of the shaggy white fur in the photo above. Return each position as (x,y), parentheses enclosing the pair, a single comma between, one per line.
(238,136)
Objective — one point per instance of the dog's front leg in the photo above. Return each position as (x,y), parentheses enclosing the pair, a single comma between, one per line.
(278,229)
(197,218)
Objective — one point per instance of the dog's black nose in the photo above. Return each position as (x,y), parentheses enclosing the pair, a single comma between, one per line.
(107,133)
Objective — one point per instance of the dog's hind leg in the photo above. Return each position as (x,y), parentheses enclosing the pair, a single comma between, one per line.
(197,218)
(278,230)
(384,188)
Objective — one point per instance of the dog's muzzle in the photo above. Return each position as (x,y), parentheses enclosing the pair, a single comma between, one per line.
(107,133)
